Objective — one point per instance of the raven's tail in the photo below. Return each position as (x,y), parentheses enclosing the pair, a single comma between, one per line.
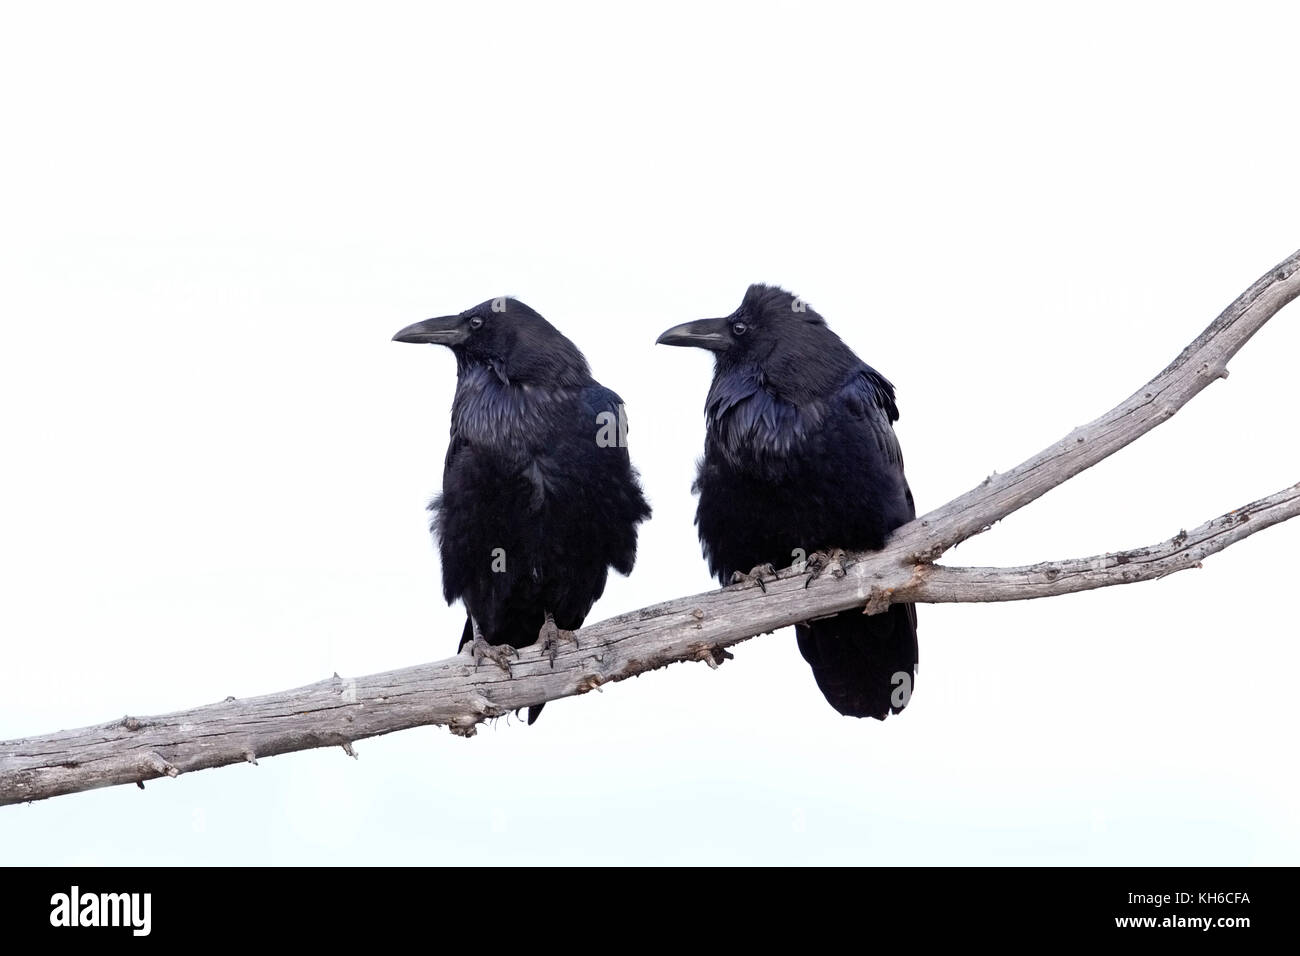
(466,636)
(864,664)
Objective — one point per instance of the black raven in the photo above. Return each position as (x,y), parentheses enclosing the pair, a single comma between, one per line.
(800,458)
(539,497)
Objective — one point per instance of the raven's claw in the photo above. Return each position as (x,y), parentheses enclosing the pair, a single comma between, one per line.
(550,637)
(499,654)
(755,576)
(819,562)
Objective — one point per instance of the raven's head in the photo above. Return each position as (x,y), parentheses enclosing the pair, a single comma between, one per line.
(776,335)
(507,336)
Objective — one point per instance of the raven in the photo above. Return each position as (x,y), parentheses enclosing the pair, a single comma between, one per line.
(539,497)
(800,458)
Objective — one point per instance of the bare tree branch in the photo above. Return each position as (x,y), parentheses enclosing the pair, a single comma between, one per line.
(940,584)
(453,692)
(1202,362)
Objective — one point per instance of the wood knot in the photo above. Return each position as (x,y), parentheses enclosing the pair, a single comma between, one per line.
(155,764)
(712,654)
(465,725)
(878,600)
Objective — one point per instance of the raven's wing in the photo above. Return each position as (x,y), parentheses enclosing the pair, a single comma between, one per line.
(865,666)
(620,505)
(868,399)
(602,407)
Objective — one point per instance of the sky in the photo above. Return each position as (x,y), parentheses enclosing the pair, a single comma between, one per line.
(216,462)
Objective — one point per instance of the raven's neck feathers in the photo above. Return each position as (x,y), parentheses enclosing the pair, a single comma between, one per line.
(509,414)
(744,415)
(759,412)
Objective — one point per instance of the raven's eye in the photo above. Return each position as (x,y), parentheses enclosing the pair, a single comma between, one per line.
(476,323)
(739,327)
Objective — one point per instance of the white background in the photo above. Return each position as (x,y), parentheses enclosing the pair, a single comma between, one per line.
(216,462)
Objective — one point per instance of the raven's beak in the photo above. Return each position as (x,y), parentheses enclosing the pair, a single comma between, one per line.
(711,334)
(444,330)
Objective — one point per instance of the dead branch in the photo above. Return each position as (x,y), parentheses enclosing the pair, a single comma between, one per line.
(338,711)
(940,584)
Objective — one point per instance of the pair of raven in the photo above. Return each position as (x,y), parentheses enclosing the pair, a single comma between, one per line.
(540,498)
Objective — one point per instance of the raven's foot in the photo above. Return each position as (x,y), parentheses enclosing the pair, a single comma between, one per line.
(499,654)
(819,562)
(550,637)
(755,576)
